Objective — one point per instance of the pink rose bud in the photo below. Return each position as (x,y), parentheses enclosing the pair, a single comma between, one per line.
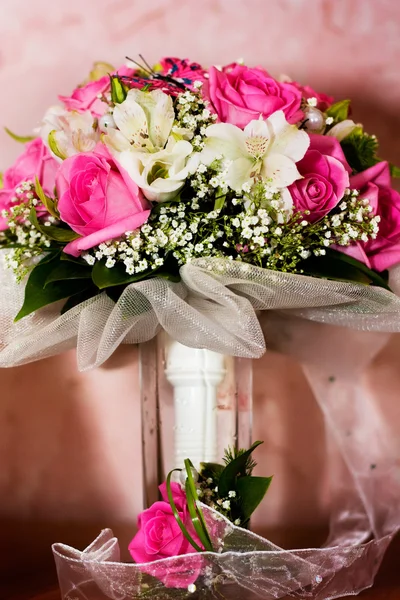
(325,176)
(35,161)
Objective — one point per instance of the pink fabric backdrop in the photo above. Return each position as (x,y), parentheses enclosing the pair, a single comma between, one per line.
(70,442)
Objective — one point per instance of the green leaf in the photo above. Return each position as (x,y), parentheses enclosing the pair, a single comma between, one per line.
(50,204)
(219,202)
(54,146)
(79,298)
(119,90)
(195,511)
(339,111)
(57,234)
(212,470)
(341,267)
(37,294)
(233,470)
(103,277)
(69,270)
(360,149)
(22,139)
(394,171)
(176,513)
(251,491)
(1,181)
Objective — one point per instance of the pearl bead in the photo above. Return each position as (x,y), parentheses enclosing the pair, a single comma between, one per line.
(106,122)
(314,120)
(183,476)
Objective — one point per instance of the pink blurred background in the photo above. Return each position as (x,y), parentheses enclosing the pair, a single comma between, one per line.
(70,442)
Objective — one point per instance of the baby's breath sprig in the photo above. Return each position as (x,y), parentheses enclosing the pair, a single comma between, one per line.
(254,227)
(25,243)
(193,113)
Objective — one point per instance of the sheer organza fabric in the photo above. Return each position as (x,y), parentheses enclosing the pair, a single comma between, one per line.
(335,330)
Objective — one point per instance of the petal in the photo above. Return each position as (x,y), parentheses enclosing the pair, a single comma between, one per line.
(342,129)
(286,138)
(225,139)
(239,173)
(108,233)
(130,119)
(280,170)
(257,128)
(116,141)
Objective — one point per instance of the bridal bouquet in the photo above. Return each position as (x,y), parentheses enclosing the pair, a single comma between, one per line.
(188,199)
(145,169)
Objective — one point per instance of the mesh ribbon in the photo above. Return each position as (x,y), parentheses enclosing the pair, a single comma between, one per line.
(214,306)
(217,305)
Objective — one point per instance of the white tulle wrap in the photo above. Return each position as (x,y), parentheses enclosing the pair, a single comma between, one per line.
(335,330)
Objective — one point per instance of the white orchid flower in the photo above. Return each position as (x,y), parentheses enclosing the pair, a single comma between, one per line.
(68,132)
(342,129)
(143,122)
(160,175)
(266,149)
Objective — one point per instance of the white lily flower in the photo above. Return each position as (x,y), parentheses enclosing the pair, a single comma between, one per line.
(160,175)
(68,132)
(342,129)
(144,121)
(266,149)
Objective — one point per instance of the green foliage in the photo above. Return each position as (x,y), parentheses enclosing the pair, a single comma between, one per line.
(394,171)
(1,181)
(57,234)
(22,139)
(219,202)
(41,290)
(54,146)
(339,111)
(119,90)
(232,453)
(251,491)
(360,149)
(231,488)
(235,468)
(341,267)
(103,277)
(49,203)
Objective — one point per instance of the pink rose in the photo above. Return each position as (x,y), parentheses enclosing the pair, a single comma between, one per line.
(323,101)
(98,199)
(160,537)
(86,97)
(239,95)
(383,252)
(178,495)
(325,175)
(35,161)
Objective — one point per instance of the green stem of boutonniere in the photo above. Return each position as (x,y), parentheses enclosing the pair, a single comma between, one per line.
(195,512)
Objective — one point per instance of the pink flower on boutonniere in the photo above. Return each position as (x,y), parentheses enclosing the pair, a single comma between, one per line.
(160,537)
